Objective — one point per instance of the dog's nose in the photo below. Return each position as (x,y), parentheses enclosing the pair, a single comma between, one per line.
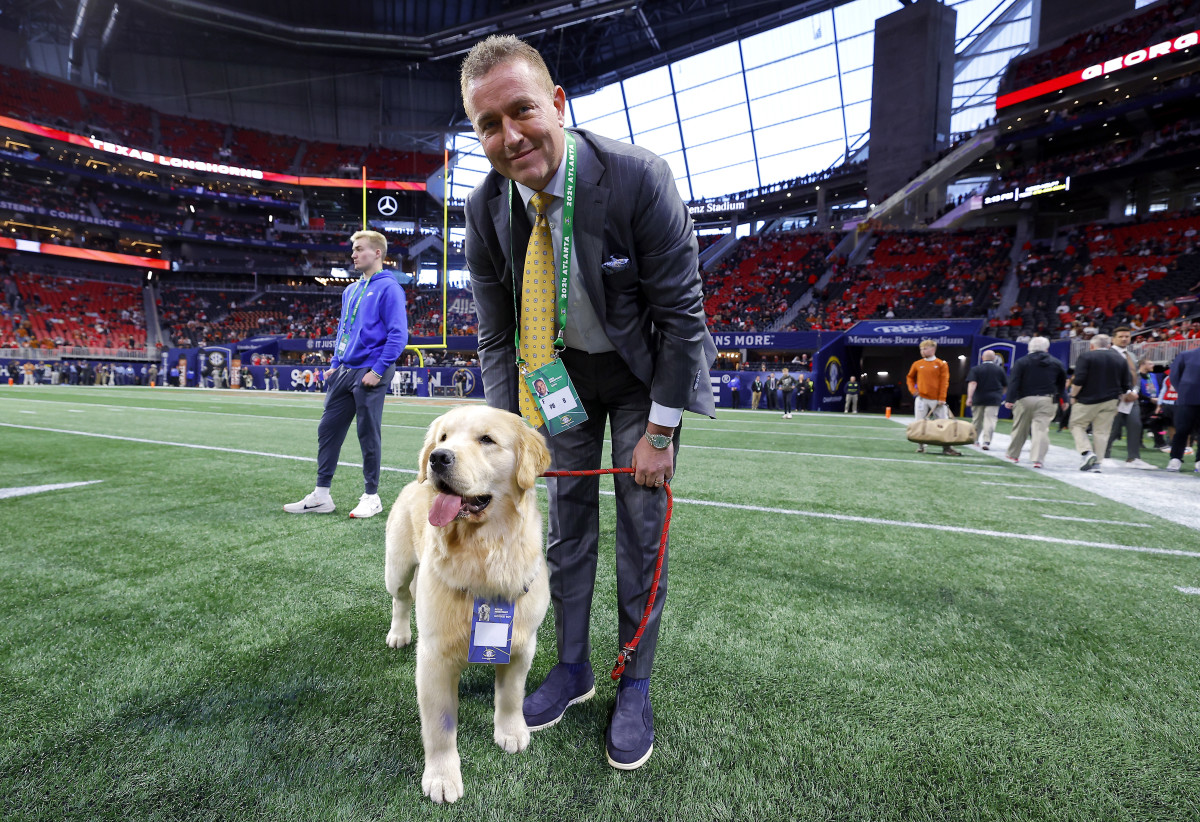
(441,459)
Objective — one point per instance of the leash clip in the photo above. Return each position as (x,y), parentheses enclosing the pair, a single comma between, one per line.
(623,658)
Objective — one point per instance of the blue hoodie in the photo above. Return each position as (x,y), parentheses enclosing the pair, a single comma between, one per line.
(380,329)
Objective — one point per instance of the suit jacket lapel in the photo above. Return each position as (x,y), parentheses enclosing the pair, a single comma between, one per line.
(591,210)
(498,206)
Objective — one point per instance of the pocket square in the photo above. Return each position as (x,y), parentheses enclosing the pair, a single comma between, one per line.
(615,264)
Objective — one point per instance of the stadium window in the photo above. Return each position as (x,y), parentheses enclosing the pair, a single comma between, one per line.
(791,75)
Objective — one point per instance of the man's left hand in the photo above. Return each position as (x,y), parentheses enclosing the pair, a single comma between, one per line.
(370,379)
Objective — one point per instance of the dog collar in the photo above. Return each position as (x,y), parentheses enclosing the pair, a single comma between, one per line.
(524,589)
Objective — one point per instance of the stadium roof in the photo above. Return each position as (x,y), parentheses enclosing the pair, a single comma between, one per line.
(587,43)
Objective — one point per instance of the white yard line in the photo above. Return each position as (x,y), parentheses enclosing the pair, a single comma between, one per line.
(8,493)
(945,528)
(195,446)
(683,500)
(1183,590)
(1054,501)
(202,412)
(1098,521)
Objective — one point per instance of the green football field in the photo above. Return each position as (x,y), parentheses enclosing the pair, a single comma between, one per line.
(852,632)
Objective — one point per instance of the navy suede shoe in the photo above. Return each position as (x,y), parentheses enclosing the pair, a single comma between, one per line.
(561,689)
(629,740)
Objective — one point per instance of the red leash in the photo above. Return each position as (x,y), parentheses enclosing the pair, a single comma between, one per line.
(628,650)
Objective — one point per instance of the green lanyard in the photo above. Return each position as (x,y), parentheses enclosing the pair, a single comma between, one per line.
(564,255)
(349,324)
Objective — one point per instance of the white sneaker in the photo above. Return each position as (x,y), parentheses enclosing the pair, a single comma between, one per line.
(312,504)
(1174,465)
(368,506)
(1141,464)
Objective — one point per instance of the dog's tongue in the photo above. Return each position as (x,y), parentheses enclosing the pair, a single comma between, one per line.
(445,509)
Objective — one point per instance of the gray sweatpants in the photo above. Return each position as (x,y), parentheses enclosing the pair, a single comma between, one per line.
(346,398)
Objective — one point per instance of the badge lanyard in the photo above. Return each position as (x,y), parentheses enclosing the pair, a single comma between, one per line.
(349,324)
(564,258)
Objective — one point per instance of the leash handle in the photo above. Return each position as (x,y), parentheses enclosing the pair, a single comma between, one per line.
(630,648)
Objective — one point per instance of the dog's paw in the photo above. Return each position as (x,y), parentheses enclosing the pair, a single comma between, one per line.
(399,637)
(442,783)
(512,736)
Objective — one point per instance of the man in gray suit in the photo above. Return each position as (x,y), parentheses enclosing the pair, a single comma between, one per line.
(637,351)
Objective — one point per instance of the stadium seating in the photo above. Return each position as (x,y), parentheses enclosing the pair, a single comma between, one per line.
(1107,275)
(922,274)
(28,96)
(63,311)
(762,277)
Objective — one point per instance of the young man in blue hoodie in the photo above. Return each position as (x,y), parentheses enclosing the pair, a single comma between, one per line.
(372,333)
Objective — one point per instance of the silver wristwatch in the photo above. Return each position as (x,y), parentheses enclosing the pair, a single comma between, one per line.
(659,441)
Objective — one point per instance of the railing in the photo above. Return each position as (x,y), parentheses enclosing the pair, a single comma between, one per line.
(78,353)
(1159,353)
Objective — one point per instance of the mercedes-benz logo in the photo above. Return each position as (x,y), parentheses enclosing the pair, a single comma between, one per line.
(387,205)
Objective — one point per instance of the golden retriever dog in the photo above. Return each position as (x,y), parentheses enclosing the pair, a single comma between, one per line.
(470,521)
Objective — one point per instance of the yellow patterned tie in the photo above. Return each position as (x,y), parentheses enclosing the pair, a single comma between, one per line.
(537,302)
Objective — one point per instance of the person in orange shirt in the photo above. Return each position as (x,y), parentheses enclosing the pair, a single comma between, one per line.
(928,382)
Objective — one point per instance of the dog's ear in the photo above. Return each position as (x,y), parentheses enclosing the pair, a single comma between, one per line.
(533,457)
(431,437)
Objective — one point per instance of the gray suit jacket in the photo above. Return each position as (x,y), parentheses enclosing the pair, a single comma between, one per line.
(627,207)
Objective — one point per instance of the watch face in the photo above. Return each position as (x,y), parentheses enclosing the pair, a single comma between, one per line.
(659,441)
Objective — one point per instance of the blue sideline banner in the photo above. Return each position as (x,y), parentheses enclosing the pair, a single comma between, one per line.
(911,332)
(781,340)
(830,365)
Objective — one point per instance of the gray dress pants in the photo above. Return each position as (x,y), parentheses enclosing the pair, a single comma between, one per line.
(610,393)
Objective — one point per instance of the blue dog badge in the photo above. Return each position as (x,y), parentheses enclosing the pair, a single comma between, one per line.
(491,632)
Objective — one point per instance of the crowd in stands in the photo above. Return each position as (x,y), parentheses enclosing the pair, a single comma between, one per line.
(228,226)
(1175,138)
(917,274)
(1101,43)
(425,312)
(290,316)
(194,317)
(1145,274)
(49,311)
(758,280)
